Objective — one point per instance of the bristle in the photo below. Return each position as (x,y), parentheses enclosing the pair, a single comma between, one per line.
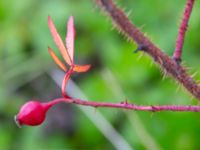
(164,74)
(178,88)
(151,64)
(194,74)
(129,13)
(140,56)
(142,26)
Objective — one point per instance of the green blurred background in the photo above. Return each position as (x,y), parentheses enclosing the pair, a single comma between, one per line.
(28,72)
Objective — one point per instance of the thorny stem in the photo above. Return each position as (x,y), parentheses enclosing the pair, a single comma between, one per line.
(126,105)
(167,64)
(182,30)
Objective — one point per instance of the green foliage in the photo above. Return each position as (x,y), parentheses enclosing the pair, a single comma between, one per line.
(117,74)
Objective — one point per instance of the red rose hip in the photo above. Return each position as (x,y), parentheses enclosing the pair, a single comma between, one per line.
(32,113)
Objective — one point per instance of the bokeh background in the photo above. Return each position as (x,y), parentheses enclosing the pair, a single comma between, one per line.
(28,72)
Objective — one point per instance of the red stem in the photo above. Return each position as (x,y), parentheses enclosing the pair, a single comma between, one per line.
(182,30)
(126,105)
(65,80)
(177,71)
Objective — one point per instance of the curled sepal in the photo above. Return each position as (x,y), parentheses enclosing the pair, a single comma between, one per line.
(57,60)
(32,113)
(83,68)
(59,41)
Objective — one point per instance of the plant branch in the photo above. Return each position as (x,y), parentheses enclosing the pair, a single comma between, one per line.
(182,30)
(167,64)
(126,105)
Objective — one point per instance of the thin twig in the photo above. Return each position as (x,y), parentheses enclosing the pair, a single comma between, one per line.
(166,63)
(126,105)
(182,30)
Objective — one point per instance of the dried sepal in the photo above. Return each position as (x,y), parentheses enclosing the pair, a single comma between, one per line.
(59,41)
(83,68)
(67,52)
(57,60)
(70,37)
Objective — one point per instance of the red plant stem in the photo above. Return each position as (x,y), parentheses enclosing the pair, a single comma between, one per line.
(126,105)
(182,30)
(65,80)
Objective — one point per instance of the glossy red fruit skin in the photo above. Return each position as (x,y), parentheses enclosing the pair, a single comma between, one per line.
(31,113)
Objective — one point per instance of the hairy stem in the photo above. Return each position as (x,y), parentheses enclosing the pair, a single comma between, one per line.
(126,105)
(167,64)
(182,30)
